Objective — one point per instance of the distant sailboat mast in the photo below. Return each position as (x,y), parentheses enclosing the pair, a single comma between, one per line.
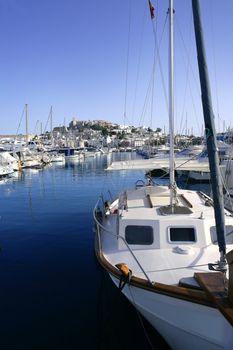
(26,116)
(51,124)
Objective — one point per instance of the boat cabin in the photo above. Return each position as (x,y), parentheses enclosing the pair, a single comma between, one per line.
(146,221)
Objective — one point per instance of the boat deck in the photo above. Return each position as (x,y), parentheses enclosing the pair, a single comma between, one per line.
(158,197)
(146,206)
(159,264)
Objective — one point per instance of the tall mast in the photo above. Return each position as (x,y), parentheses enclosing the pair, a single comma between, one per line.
(51,123)
(26,115)
(210,134)
(171,103)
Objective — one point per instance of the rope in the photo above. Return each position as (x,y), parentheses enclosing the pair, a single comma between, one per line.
(49,117)
(20,122)
(138,65)
(159,60)
(189,68)
(178,268)
(127,60)
(177,167)
(114,181)
(35,129)
(154,63)
(126,275)
(214,62)
(140,319)
(151,82)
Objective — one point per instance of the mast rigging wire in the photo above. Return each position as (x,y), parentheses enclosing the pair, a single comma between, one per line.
(214,63)
(187,84)
(20,122)
(49,117)
(138,64)
(127,60)
(156,57)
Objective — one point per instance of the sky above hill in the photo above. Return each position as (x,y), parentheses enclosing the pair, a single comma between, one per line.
(106,59)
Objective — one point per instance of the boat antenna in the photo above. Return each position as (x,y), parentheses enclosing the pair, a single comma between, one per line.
(211,140)
(171,106)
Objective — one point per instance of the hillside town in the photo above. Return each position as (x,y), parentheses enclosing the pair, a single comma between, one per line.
(100,133)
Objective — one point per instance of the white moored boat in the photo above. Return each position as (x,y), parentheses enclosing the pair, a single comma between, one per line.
(166,248)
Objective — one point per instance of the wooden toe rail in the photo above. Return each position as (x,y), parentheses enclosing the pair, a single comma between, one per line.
(213,284)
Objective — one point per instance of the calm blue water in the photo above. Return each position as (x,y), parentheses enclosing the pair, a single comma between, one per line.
(53,293)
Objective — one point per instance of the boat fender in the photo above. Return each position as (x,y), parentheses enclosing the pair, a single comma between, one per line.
(19,165)
(107,207)
(126,274)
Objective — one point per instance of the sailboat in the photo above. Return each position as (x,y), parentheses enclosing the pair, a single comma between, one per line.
(169,250)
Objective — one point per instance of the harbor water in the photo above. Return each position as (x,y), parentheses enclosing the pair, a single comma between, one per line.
(53,292)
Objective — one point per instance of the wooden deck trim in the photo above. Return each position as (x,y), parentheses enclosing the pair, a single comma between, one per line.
(187,294)
(213,285)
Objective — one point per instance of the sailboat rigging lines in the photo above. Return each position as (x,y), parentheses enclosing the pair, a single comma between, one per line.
(161,240)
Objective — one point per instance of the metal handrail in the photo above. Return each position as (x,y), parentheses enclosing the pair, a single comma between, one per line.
(117,236)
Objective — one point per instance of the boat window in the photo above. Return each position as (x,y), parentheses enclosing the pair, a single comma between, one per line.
(142,235)
(182,234)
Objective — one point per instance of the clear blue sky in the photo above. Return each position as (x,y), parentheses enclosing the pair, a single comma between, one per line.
(72,54)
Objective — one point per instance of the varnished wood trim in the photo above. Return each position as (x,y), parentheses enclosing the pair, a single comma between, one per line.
(187,294)
(214,286)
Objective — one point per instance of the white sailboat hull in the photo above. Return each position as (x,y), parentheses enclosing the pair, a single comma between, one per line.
(57,158)
(72,157)
(6,170)
(184,325)
(185,317)
(199,176)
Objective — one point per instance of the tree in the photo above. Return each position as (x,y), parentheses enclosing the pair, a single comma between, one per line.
(133,130)
(105,132)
